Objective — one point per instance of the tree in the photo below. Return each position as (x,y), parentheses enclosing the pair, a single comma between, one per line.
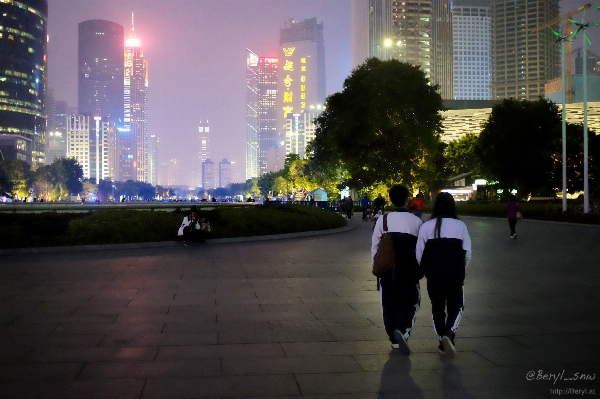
(105,189)
(516,145)
(73,174)
(383,127)
(575,160)
(461,155)
(5,184)
(18,173)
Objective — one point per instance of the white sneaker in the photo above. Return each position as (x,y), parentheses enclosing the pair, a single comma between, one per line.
(401,342)
(449,349)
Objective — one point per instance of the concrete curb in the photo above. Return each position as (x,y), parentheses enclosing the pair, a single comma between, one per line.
(166,244)
(532,221)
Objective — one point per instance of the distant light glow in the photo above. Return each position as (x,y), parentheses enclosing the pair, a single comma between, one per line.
(132,43)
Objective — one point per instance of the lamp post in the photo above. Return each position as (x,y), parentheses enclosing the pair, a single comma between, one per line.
(563,39)
(582,26)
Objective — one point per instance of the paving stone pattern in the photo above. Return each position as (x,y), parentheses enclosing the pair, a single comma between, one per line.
(298,317)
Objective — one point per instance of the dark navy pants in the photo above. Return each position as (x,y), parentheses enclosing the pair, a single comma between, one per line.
(400,304)
(446,294)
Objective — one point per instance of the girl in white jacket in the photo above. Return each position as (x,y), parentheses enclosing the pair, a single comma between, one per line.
(444,250)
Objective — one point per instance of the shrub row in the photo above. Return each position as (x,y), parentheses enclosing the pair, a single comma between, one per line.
(108,226)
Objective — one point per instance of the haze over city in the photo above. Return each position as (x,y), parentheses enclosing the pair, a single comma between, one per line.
(196,52)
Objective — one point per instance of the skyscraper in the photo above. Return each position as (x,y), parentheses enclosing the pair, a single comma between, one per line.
(442,47)
(23,33)
(224,173)
(301,80)
(522,60)
(261,111)
(380,29)
(153,162)
(78,141)
(471,24)
(136,103)
(412,32)
(101,62)
(100,86)
(209,177)
(251,114)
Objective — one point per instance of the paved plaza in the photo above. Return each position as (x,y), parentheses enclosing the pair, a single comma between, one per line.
(299,317)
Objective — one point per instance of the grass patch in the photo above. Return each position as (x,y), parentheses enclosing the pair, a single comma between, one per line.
(118,226)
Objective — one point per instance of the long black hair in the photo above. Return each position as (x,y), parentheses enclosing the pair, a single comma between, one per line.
(443,207)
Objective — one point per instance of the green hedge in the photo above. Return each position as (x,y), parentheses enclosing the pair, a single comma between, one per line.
(107,226)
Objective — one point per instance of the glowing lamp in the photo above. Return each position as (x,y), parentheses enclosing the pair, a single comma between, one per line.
(132,43)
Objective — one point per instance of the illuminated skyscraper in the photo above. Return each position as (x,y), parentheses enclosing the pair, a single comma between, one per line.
(261,111)
(153,165)
(209,175)
(23,33)
(380,29)
(136,104)
(442,47)
(301,81)
(523,61)
(101,62)
(100,86)
(412,32)
(224,173)
(471,24)
(78,141)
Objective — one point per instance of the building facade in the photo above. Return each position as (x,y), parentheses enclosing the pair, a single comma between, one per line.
(380,29)
(78,141)
(523,60)
(15,147)
(136,104)
(225,173)
(301,79)
(23,76)
(209,175)
(412,32)
(261,111)
(442,47)
(300,130)
(100,70)
(153,165)
(472,37)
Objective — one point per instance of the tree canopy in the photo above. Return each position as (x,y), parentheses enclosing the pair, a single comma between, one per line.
(461,156)
(383,127)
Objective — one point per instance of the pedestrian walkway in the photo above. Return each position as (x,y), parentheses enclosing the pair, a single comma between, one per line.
(298,317)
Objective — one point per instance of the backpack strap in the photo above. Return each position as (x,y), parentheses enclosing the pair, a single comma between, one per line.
(385,227)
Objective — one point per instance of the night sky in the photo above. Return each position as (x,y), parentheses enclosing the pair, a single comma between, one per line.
(196,52)
(196,60)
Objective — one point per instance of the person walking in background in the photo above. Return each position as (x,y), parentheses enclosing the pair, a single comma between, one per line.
(512,208)
(364,202)
(379,204)
(444,251)
(417,205)
(349,204)
(399,291)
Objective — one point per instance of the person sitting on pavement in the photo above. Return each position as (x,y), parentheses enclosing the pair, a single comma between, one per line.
(189,227)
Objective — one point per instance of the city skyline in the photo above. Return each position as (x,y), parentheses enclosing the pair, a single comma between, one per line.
(199,73)
(224,105)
